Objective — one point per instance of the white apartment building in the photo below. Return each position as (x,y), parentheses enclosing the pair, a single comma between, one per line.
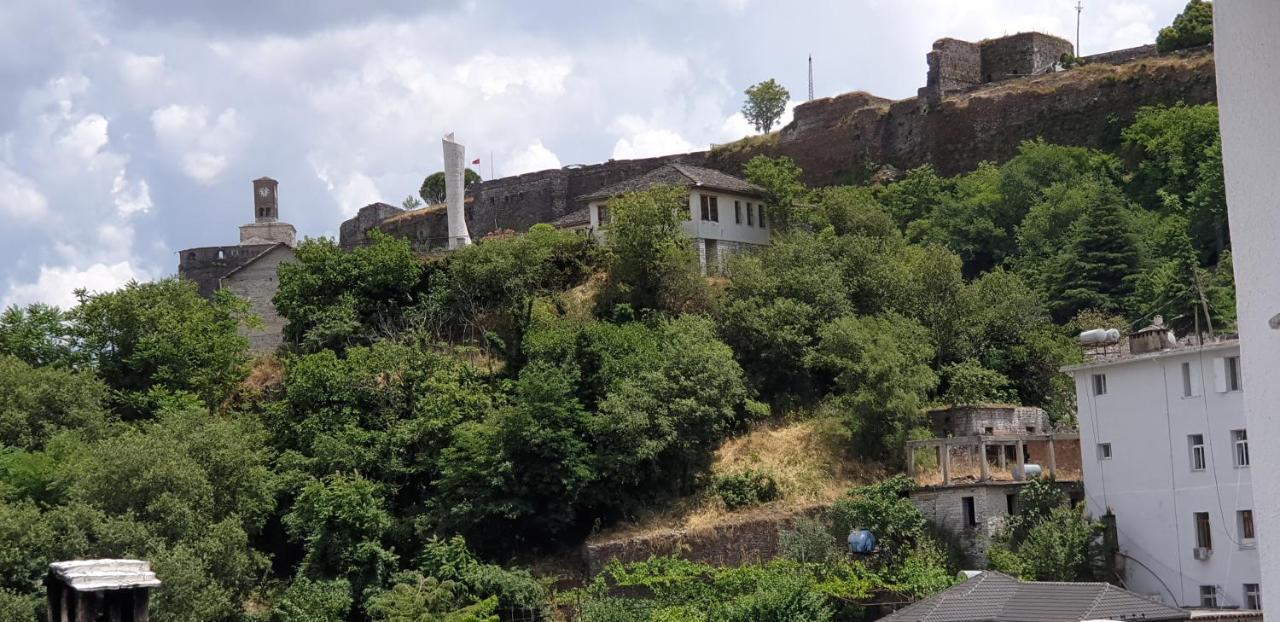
(1165,447)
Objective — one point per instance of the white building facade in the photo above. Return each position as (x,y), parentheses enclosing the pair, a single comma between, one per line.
(1164,446)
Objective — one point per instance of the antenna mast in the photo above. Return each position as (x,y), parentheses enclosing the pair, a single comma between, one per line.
(811,77)
(1079,8)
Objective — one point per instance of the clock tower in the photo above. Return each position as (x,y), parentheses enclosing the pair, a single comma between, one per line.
(266,227)
(266,206)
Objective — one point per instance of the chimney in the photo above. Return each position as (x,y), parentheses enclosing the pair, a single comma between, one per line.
(1153,338)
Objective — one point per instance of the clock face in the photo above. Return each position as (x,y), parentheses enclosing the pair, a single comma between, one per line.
(264,192)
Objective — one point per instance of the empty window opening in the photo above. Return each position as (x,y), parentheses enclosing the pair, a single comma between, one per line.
(1104,451)
(1204,535)
(737,212)
(1010,503)
(1244,520)
(970,513)
(751,217)
(1195,443)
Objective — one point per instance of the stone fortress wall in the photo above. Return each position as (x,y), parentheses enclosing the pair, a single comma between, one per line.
(978,104)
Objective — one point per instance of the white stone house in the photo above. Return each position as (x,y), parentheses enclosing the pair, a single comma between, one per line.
(725,214)
(1165,446)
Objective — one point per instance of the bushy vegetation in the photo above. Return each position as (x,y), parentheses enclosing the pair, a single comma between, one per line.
(525,391)
(1048,539)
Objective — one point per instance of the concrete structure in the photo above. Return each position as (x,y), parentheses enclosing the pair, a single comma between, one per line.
(248,269)
(725,214)
(1165,447)
(994,597)
(1248,88)
(971,473)
(455,168)
(112,590)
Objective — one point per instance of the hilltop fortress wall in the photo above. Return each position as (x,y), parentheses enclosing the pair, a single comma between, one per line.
(961,117)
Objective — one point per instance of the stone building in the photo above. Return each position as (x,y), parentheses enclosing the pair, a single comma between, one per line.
(725,215)
(956,65)
(970,474)
(248,269)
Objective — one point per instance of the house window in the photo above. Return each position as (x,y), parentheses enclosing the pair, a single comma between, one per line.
(1233,373)
(970,513)
(1099,384)
(603,216)
(761,215)
(1252,596)
(1187,390)
(1104,451)
(751,217)
(1208,596)
(1240,448)
(1244,520)
(1196,443)
(710,208)
(1204,537)
(1010,504)
(737,212)
(987,430)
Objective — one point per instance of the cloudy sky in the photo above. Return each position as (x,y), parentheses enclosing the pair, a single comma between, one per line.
(130,129)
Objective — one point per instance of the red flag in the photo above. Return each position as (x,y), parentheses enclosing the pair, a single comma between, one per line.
(476,161)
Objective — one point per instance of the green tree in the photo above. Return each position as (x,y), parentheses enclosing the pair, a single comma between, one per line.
(914,195)
(38,402)
(1192,27)
(342,521)
(884,509)
(163,335)
(780,177)
(39,334)
(880,369)
(971,383)
(764,105)
(337,299)
(970,221)
(1063,547)
(652,263)
(312,601)
(432,190)
(1098,268)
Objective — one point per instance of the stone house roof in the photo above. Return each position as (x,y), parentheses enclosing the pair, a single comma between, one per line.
(254,258)
(680,176)
(576,218)
(995,597)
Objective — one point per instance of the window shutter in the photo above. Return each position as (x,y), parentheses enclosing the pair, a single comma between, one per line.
(1220,375)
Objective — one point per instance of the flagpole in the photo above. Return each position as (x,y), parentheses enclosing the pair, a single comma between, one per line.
(490,164)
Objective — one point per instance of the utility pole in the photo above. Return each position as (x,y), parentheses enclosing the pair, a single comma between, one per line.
(811,77)
(1079,8)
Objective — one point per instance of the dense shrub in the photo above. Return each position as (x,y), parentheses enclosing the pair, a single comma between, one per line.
(744,488)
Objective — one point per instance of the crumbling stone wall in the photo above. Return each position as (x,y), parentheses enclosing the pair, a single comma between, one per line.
(207,265)
(996,419)
(1022,54)
(354,232)
(953,65)
(733,543)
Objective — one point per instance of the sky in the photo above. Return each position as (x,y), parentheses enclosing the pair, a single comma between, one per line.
(131,129)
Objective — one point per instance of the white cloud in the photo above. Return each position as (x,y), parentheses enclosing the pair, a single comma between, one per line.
(495,75)
(85,138)
(130,196)
(535,157)
(56,285)
(19,197)
(203,146)
(351,191)
(642,140)
(141,70)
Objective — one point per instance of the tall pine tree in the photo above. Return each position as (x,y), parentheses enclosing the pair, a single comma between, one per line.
(1098,268)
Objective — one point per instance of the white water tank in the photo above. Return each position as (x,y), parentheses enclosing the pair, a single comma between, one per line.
(1100,337)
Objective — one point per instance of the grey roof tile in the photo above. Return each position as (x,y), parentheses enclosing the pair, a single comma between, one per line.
(681,176)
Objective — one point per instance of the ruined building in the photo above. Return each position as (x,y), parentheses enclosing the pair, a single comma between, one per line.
(980,102)
(248,269)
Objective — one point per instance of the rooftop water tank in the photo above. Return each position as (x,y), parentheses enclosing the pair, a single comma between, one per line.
(862,542)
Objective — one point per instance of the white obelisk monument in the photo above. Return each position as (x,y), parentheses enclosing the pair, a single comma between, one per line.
(455,169)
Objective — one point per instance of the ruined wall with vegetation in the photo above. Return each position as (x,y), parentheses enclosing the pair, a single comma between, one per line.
(842,139)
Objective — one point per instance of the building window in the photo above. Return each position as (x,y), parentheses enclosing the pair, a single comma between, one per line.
(737,212)
(987,430)
(1196,443)
(710,208)
(1252,597)
(761,215)
(1010,503)
(751,217)
(1233,373)
(1240,448)
(1099,384)
(1244,518)
(603,214)
(1104,451)
(970,513)
(1187,390)
(1208,597)
(1204,536)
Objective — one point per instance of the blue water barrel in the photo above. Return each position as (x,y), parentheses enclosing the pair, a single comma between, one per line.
(862,542)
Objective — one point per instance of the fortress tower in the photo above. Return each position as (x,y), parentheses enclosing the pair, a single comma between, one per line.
(266,227)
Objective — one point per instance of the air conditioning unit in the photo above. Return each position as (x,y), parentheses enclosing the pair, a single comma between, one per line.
(1201,553)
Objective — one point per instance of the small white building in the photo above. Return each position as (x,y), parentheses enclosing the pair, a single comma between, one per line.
(726,214)
(1165,447)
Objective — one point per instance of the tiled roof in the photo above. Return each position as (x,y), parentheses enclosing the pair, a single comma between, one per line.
(580,217)
(995,597)
(681,176)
